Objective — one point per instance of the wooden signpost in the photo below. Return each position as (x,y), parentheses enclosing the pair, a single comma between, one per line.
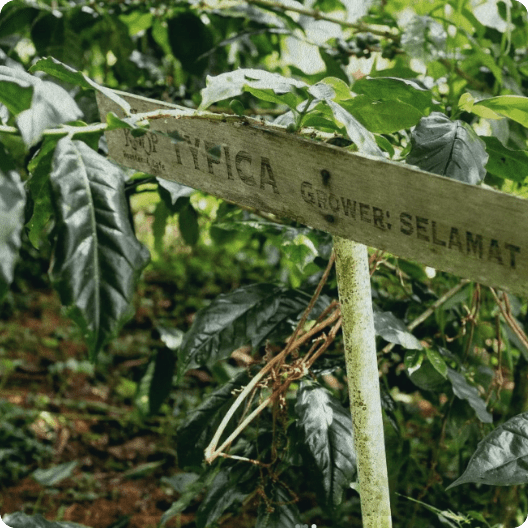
(470,231)
(466,230)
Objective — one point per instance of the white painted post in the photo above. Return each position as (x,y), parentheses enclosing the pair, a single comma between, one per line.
(353,281)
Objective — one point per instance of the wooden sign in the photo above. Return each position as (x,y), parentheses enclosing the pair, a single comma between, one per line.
(470,231)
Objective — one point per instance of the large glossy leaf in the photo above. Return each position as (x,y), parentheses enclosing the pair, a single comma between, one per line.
(393,330)
(449,148)
(51,105)
(501,459)
(247,315)
(12,203)
(97,258)
(465,391)
(327,433)
(195,433)
(21,520)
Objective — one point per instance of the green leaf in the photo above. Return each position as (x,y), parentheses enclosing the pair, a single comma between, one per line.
(501,457)
(363,139)
(437,361)
(189,493)
(341,89)
(393,330)
(413,360)
(326,428)
(54,475)
(40,190)
(383,117)
(448,148)
(188,224)
(232,84)
(237,107)
(465,391)
(161,385)
(405,91)
(161,215)
(249,314)
(199,426)
(225,490)
(141,397)
(115,122)
(184,28)
(15,94)
(12,203)
(421,371)
(97,258)
(67,74)
(515,107)
(504,162)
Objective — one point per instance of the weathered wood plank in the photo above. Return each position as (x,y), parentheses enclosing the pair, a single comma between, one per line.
(470,231)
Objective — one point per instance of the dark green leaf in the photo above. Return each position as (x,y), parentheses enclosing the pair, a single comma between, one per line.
(39,187)
(437,361)
(285,512)
(247,315)
(188,224)
(185,28)
(162,379)
(222,493)
(327,432)
(97,258)
(189,493)
(501,458)
(195,433)
(449,148)
(12,203)
(390,328)
(465,391)
(421,372)
(161,215)
(16,18)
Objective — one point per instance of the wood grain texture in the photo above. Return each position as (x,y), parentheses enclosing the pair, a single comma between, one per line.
(470,231)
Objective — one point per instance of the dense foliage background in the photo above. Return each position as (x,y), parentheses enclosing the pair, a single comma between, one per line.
(120,442)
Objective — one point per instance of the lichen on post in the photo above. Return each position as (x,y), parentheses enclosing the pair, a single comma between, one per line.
(353,280)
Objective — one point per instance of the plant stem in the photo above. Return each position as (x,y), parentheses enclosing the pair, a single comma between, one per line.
(353,281)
